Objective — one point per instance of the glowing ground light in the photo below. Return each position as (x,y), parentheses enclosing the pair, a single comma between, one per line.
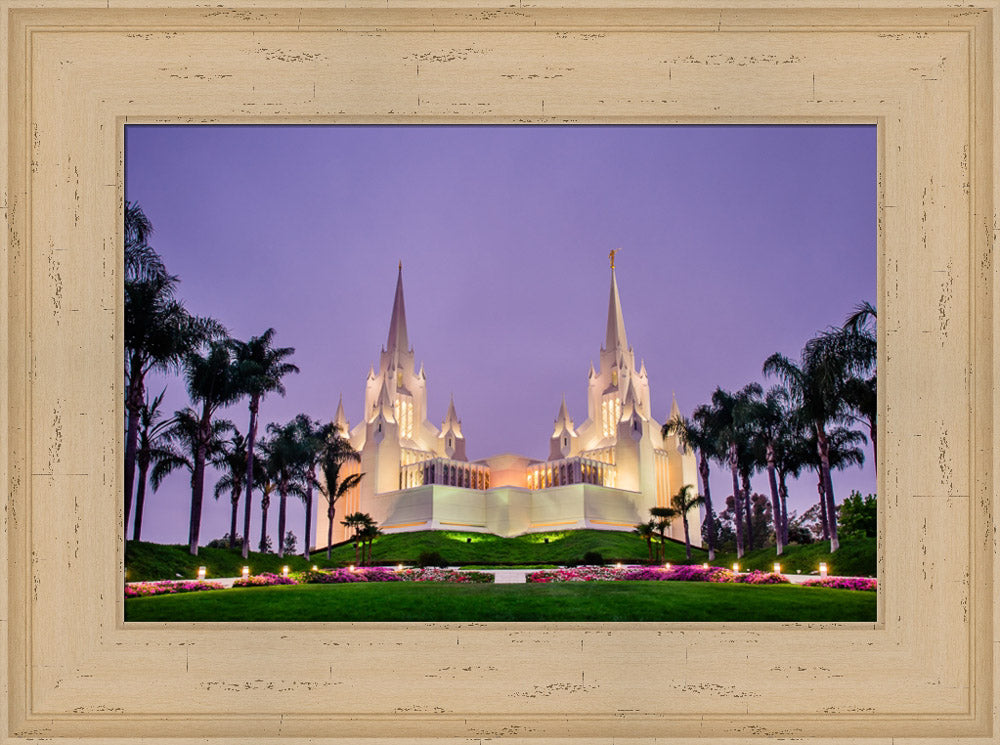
(667,565)
(705,565)
(618,565)
(736,568)
(315,568)
(284,571)
(201,572)
(399,567)
(245,572)
(822,569)
(777,568)
(351,568)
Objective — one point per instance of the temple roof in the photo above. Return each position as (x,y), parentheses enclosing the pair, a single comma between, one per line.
(397,340)
(615,338)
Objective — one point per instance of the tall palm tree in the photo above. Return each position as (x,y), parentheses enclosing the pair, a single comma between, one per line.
(314,437)
(336,452)
(232,461)
(368,533)
(159,334)
(261,369)
(662,517)
(287,455)
(768,422)
(730,413)
(816,385)
(184,443)
(265,480)
(647,531)
(212,382)
(682,502)
(699,433)
(151,443)
(860,391)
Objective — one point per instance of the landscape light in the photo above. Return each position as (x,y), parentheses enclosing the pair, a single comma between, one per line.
(618,565)
(736,568)
(399,567)
(284,571)
(667,565)
(705,565)
(315,568)
(245,572)
(777,568)
(201,572)
(822,569)
(351,568)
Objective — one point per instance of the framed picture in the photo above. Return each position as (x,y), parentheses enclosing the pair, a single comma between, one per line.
(75,76)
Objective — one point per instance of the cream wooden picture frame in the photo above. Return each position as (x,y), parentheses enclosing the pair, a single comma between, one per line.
(76,71)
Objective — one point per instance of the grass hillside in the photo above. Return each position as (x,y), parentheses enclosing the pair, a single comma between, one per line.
(146,561)
(855,558)
(149,561)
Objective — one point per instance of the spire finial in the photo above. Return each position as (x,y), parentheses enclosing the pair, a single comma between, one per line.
(612,256)
(400,265)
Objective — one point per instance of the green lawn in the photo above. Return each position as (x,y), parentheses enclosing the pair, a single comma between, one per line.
(147,561)
(572,601)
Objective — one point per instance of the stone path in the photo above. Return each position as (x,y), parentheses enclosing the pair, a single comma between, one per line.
(508,576)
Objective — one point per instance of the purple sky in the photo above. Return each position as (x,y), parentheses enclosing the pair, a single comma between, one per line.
(738,241)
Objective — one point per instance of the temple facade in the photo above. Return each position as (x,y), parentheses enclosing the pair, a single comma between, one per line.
(605,473)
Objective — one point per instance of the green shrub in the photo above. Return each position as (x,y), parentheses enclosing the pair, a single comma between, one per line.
(431,559)
(593,557)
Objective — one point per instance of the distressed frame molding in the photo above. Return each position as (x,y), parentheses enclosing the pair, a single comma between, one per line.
(75,72)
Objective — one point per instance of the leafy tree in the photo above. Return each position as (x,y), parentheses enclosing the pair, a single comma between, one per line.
(232,461)
(368,533)
(731,413)
(261,369)
(288,545)
(858,515)
(141,261)
(358,522)
(150,447)
(682,502)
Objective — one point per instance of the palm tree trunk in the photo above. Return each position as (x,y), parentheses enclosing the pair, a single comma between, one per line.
(783,493)
(687,537)
(235,501)
(133,404)
(831,502)
(737,504)
(649,549)
(197,493)
(265,502)
(309,506)
(709,513)
(329,530)
(779,539)
(281,520)
(822,506)
(748,508)
(873,434)
(251,439)
(140,498)
(355,548)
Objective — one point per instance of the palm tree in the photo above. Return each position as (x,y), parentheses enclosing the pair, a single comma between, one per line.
(663,517)
(265,480)
(357,521)
(233,462)
(261,368)
(699,433)
(817,387)
(768,423)
(647,531)
(860,390)
(212,381)
(150,446)
(141,261)
(184,443)
(287,457)
(730,411)
(159,334)
(682,502)
(368,533)
(314,437)
(844,450)
(336,452)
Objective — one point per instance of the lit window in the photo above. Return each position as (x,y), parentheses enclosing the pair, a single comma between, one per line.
(614,376)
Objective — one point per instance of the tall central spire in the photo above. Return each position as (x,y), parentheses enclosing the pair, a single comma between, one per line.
(397,340)
(616,321)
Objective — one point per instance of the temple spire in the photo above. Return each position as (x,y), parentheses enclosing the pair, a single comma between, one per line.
(615,338)
(340,419)
(397,340)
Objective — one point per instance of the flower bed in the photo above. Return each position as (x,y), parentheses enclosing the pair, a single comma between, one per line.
(386,574)
(865,584)
(168,587)
(264,580)
(680,573)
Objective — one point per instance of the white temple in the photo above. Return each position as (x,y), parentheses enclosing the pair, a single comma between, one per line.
(605,473)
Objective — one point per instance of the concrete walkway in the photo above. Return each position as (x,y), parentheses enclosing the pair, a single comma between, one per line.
(508,576)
